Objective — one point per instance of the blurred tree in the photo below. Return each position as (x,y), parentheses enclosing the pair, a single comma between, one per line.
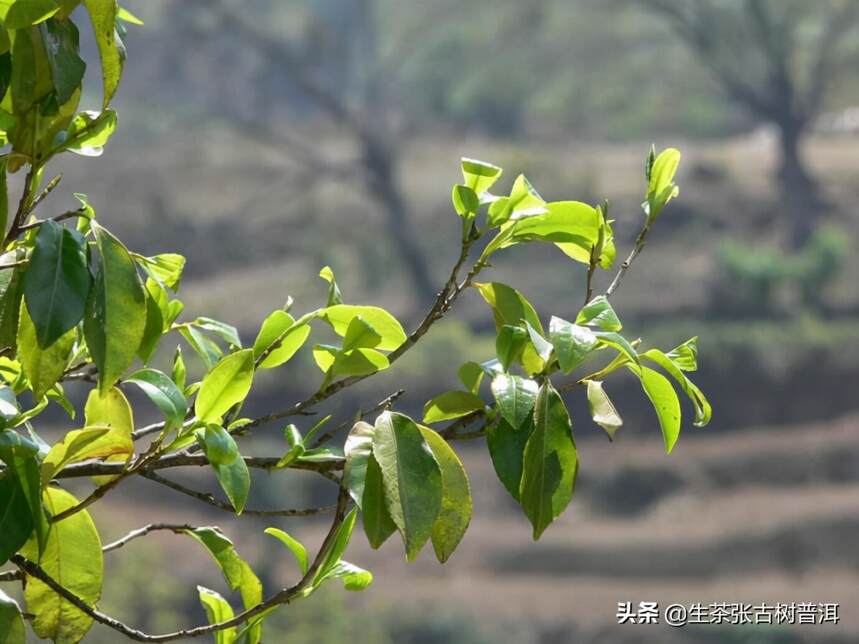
(778,60)
(329,62)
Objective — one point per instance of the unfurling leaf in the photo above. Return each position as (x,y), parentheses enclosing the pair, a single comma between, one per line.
(602,409)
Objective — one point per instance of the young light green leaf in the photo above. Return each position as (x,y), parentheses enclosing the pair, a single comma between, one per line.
(465,201)
(43,367)
(599,313)
(550,462)
(450,405)
(116,312)
(685,356)
(334,295)
(471,375)
(703,410)
(78,445)
(295,547)
(664,400)
(203,346)
(57,282)
(227,384)
(515,397)
(237,572)
(280,337)
(357,362)
(23,14)
(226,461)
(510,307)
(88,133)
(359,335)
(386,325)
(572,343)
(660,186)
(226,332)
(510,344)
(602,409)
(12,629)
(163,392)
(72,557)
(479,175)
(165,268)
(455,513)
(218,610)
(411,477)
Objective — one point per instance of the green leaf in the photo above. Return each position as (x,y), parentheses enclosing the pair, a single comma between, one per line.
(334,296)
(203,346)
(357,362)
(618,343)
(509,307)
(279,329)
(602,409)
(163,392)
(16,520)
(295,547)
(157,308)
(116,313)
(360,334)
(465,201)
(227,332)
(660,186)
(572,343)
(78,445)
(515,397)
(524,201)
(357,450)
(411,478)
(111,410)
(450,405)
(386,325)
(542,347)
(510,344)
(226,461)
(103,15)
(165,268)
(61,41)
(72,557)
(479,175)
(20,456)
(12,629)
(471,375)
(218,610)
(237,572)
(354,578)
(685,356)
(24,13)
(179,372)
(664,400)
(43,367)
(88,133)
(56,282)
(599,313)
(550,462)
(703,410)
(507,450)
(126,16)
(227,384)
(378,524)
(455,513)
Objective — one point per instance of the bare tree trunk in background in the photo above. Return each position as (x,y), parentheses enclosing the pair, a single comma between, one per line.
(383,185)
(799,192)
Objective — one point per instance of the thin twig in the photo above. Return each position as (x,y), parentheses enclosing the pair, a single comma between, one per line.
(53,183)
(640,240)
(11,575)
(177,528)
(23,204)
(209,499)
(380,406)
(62,217)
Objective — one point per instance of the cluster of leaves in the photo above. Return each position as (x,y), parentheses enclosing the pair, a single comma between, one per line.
(77,305)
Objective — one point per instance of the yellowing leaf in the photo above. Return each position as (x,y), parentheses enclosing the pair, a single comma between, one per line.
(72,556)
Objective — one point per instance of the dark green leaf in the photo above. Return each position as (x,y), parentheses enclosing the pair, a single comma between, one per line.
(16,520)
(510,343)
(411,477)
(378,524)
(116,314)
(507,449)
(57,282)
(163,392)
(550,462)
(357,450)
(61,48)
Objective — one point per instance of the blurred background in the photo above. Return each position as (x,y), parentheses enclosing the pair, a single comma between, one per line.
(265,139)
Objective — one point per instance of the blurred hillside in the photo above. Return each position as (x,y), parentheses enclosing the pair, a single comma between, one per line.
(268,138)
